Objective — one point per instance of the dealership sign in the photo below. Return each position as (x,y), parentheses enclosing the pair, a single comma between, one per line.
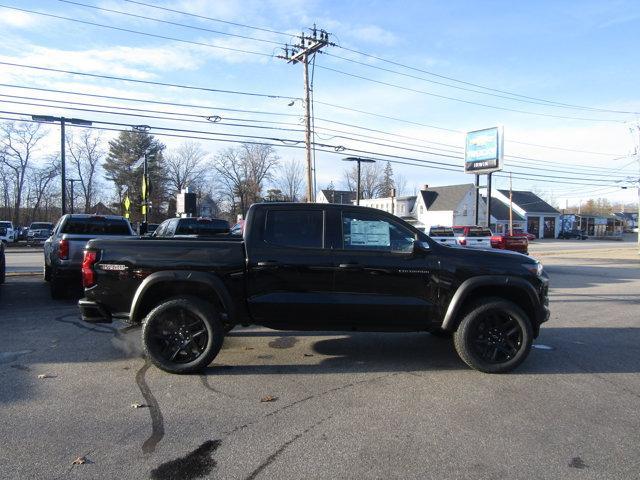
(484,150)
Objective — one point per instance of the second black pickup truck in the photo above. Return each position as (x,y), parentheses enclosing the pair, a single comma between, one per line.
(316,267)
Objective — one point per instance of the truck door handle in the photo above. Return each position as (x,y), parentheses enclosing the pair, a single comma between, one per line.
(268,263)
(349,266)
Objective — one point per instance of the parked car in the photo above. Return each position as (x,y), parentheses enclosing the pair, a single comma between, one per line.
(9,235)
(63,250)
(443,235)
(530,236)
(515,242)
(3,264)
(238,228)
(191,227)
(473,236)
(569,234)
(38,232)
(315,267)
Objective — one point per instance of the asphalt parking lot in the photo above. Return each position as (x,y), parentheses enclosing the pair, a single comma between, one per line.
(343,405)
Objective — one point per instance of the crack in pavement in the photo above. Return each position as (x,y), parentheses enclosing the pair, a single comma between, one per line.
(306,399)
(273,457)
(82,326)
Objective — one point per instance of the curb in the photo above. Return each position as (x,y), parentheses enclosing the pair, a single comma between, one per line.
(22,274)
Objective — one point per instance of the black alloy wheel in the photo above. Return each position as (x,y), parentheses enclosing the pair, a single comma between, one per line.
(178,336)
(182,335)
(497,337)
(494,336)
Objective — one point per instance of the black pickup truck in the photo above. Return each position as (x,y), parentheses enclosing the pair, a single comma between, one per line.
(316,267)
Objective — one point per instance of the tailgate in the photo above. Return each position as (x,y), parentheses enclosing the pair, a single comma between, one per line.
(78,242)
(479,242)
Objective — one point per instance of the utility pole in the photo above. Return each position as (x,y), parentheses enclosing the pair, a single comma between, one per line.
(62,120)
(308,46)
(72,181)
(477,199)
(489,200)
(510,205)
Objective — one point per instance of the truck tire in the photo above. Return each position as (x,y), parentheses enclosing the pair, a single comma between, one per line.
(57,288)
(46,273)
(494,336)
(182,335)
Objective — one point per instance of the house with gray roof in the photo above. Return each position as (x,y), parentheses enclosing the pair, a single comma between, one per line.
(542,219)
(445,206)
(336,196)
(500,217)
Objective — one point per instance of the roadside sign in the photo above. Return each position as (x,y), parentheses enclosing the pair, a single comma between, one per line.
(127,206)
(483,151)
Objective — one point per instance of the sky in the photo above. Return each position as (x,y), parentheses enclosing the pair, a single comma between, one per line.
(561,77)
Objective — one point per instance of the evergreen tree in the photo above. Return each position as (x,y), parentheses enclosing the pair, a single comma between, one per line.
(387,183)
(124,168)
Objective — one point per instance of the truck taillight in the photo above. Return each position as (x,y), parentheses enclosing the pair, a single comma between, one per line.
(88,274)
(462,241)
(63,249)
(498,241)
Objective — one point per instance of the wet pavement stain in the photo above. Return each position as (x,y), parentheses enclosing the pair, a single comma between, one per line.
(283,342)
(8,357)
(194,465)
(157,422)
(577,462)
(19,366)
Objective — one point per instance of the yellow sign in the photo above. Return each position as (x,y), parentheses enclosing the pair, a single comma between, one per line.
(127,206)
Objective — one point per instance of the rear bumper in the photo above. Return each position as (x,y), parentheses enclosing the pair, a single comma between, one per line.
(93,312)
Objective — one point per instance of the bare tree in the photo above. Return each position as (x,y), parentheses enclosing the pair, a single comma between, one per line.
(85,153)
(371,179)
(38,180)
(242,172)
(185,166)
(401,185)
(291,179)
(19,141)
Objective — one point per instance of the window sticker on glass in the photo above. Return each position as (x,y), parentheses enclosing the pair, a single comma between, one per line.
(369,233)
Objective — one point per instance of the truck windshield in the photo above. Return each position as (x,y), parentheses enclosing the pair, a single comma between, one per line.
(202,227)
(96,226)
(41,226)
(479,232)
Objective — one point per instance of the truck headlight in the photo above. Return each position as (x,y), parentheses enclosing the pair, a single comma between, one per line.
(535,268)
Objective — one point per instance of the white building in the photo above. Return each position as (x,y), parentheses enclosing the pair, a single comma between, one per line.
(447,206)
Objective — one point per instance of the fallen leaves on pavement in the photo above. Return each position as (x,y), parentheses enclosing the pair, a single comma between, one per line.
(268,398)
(138,405)
(79,461)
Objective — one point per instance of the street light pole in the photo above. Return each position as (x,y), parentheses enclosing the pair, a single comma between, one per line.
(62,121)
(359,160)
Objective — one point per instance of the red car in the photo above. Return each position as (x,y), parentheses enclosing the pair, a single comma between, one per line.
(530,236)
(516,243)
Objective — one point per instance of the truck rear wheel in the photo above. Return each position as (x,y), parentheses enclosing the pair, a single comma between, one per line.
(56,286)
(494,336)
(182,335)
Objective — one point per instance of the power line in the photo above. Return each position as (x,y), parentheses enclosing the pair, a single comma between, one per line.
(149,82)
(202,17)
(381,59)
(137,32)
(196,118)
(546,103)
(167,22)
(468,102)
(289,143)
(156,102)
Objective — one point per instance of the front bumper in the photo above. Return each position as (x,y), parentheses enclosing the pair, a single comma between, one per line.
(93,312)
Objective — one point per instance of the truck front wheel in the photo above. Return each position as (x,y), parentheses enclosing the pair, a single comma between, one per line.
(494,336)
(182,335)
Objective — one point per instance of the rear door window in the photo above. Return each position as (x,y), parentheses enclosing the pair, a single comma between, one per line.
(479,232)
(295,228)
(96,226)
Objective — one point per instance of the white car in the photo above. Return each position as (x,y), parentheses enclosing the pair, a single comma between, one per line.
(442,235)
(7,232)
(473,236)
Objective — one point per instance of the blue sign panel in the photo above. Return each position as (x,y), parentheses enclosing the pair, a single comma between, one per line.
(483,151)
